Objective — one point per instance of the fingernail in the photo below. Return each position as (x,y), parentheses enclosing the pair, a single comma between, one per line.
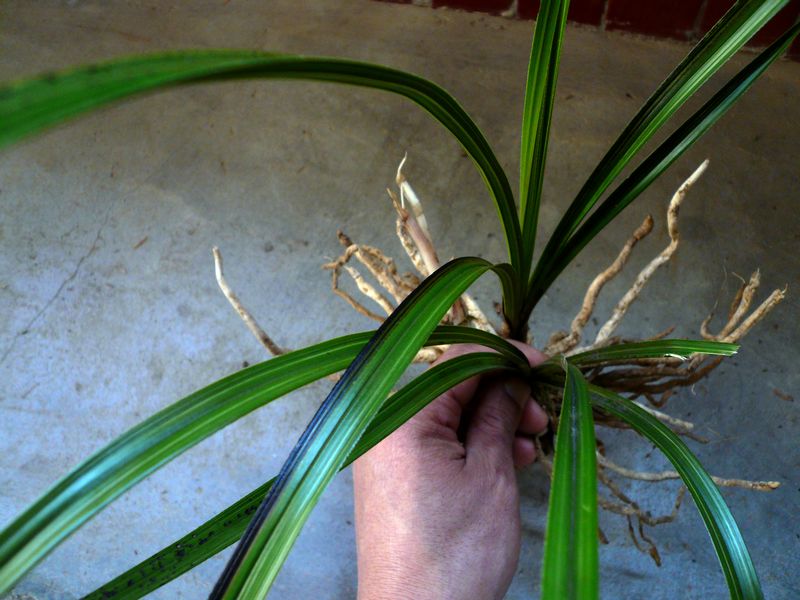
(519,390)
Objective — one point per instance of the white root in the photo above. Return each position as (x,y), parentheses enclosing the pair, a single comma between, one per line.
(773,300)
(369,290)
(245,315)
(762,486)
(665,418)
(563,344)
(645,274)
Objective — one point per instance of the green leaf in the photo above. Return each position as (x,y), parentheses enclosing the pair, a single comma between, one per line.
(654,349)
(143,449)
(336,428)
(162,437)
(570,565)
(540,93)
(661,158)
(227,527)
(31,105)
(725,535)
(725,38)
(457,334)
(551,373)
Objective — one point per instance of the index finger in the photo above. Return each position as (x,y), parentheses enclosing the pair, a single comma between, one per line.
(463,392)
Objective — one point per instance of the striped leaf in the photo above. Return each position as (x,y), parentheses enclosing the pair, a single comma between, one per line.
(31,105)
(162,437)
(336,428)
(732,31)
(737,566)
(570,565)
(227,527)
(653,349)
(540,92)
(661,158)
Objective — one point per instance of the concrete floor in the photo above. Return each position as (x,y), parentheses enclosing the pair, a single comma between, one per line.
(110,309)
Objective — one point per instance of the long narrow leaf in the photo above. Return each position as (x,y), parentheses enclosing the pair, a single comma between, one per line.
(727,539)
(661,158)
(570,565)
(540,93)
(31,105)
(654,349)
(162,437)
(336,428)
(717,46)
(227,527)
(149,445)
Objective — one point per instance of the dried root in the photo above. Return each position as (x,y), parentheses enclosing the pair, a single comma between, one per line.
(645,274)
(652,377)
(563,344)
(761,486)
(415,237)
(736,328)
(248,319)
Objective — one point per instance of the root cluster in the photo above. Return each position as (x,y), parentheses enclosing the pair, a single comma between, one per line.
(648,382)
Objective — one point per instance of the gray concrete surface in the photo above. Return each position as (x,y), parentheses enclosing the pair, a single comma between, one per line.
(110,310)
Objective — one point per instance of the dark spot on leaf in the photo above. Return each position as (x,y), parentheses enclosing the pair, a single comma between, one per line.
(202,541)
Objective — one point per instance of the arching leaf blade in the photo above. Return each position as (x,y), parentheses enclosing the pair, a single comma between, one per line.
(31,105)
(732,553)
(143,449)
(336,428)
(162,437)
(227,527)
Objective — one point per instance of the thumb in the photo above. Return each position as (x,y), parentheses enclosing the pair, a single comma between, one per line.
(491,429)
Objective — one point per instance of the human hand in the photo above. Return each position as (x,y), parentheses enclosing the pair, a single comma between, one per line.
(437,503)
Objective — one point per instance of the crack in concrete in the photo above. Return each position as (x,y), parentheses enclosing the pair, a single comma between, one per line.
(64,283)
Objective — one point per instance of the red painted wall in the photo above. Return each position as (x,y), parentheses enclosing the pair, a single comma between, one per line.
(679,19)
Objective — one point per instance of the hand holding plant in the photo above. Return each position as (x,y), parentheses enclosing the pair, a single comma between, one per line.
(437,503)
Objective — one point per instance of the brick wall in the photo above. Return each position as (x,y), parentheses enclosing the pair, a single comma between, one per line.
(685,20)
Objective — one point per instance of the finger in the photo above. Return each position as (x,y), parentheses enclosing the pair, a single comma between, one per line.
(524,452)
(490,432)
(447,409)
(463,392)
(534,419)
(534,356)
